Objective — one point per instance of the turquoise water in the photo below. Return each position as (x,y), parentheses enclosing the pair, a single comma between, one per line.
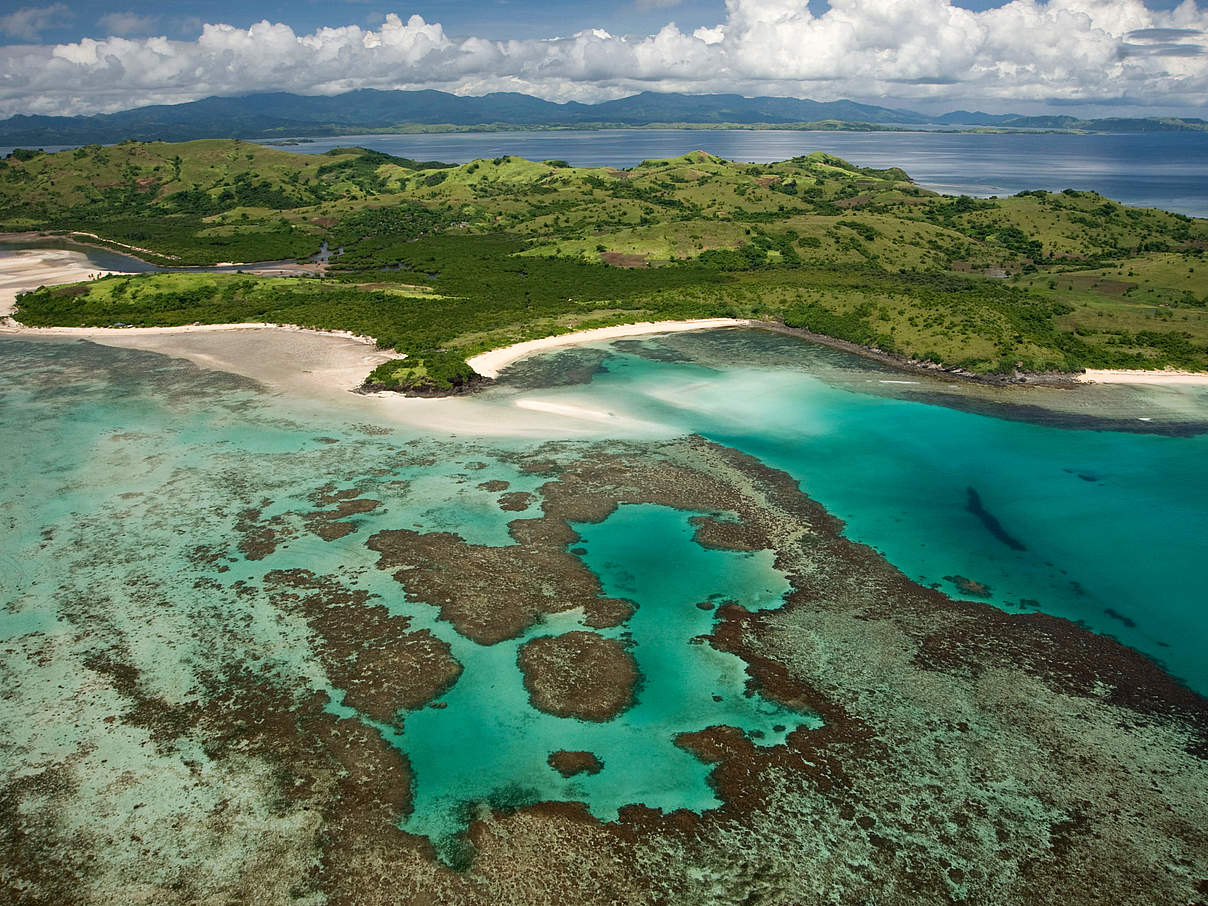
(120,466)
(1113,525)
(491,745)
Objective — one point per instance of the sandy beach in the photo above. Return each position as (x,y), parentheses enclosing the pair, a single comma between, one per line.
(489,364)
(30,268)
(1184,378)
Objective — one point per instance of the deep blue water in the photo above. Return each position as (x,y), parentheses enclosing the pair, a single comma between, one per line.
(1161,170)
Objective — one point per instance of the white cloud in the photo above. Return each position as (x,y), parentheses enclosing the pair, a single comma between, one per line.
(126,23)
(27,23)
(1062,51)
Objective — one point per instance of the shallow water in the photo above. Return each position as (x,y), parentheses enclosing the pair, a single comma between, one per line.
(124,469)
(644,553)
(1095,522)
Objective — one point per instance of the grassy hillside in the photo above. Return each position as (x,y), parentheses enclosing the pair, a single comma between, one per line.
(509,249)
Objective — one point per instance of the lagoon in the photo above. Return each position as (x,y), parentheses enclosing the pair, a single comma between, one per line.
(111,454)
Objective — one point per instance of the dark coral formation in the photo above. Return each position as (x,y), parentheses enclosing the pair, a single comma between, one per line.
(967,755)
(494,593)
(329,524)
(382,668)
(515,502)
(259,536)
(971,587)
(578,674)
(568,764)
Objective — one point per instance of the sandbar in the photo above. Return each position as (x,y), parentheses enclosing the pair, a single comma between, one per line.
(1124,376)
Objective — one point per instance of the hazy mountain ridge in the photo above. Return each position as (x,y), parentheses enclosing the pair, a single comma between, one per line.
(281,114)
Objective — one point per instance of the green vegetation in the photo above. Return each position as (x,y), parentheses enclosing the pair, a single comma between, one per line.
(441,262)
(428,371)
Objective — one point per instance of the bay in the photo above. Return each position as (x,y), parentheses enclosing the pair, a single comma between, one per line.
(1159,170)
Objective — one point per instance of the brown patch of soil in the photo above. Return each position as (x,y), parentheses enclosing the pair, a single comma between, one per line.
(1100,284)
(620,259)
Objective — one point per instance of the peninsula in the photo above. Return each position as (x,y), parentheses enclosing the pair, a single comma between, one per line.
(441,263)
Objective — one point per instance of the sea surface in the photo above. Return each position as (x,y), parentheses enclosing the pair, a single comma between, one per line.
(1156,170)
(124,468)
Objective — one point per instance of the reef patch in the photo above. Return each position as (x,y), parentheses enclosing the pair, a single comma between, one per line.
(578,674)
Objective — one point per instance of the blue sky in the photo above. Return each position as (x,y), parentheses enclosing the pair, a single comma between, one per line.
(496,19)
(1082,56)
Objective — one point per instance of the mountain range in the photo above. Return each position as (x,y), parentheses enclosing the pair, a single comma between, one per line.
(276,115)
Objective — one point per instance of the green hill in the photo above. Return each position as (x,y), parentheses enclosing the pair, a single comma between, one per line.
(509,249)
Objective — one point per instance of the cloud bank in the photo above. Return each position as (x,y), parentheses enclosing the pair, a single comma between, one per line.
(1061,51)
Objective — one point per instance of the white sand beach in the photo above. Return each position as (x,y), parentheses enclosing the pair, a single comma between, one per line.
(1184,378)
(28,269)
(489,364)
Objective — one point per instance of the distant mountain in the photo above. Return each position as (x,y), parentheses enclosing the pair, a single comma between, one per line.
(278,114)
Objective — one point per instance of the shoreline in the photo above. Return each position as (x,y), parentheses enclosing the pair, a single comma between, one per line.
(1136,376)
(104,333)
(282,268)
(27,269)
(490,363)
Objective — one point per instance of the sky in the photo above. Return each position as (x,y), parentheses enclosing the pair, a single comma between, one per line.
(1087,57)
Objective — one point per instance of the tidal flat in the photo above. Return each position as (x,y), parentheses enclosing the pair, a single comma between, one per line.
(264,649)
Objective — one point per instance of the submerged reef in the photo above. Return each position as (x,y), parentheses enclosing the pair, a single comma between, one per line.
(962,754)
(579,674)
(568,764)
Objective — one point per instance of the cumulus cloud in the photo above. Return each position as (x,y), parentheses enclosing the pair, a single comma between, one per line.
(1060,51)
(27,23)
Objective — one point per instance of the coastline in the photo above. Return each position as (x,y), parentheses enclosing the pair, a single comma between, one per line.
(27,269)
(284,268)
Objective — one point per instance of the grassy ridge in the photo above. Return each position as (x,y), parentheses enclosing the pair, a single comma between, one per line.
(440,260)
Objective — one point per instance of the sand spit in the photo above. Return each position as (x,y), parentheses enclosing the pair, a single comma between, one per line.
(489,364)
(1185,378)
